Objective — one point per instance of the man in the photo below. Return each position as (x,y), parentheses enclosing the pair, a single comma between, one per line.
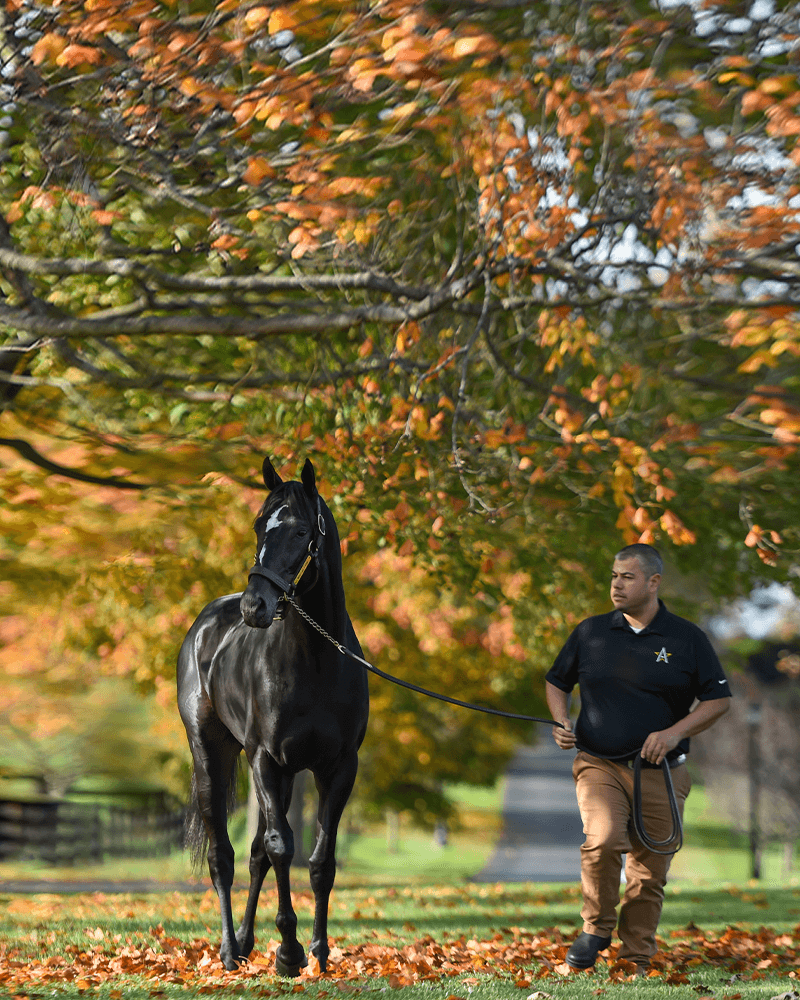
(640,669)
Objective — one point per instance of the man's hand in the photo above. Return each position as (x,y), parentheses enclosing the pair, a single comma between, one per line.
(706,713)
(658,745)
(565,738)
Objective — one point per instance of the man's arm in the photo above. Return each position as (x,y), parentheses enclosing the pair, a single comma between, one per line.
(658,745)
(558,703)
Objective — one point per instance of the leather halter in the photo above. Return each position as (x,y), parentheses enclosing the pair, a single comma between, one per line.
(289,589)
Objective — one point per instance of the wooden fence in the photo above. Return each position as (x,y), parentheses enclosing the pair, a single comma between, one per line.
(64,832)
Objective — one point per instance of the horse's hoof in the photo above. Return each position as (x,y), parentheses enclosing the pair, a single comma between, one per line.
(245,947)
(289,969)
(322,963)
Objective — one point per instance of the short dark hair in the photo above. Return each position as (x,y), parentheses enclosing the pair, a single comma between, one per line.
(649,558)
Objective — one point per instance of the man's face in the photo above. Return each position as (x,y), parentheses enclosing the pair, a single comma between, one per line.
(631,588)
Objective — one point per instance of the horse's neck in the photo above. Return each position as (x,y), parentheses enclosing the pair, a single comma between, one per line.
(326,606)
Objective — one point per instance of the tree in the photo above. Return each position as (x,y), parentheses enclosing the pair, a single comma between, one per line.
(523,280)
(528,255)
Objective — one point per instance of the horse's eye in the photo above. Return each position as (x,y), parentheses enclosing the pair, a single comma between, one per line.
(302,532)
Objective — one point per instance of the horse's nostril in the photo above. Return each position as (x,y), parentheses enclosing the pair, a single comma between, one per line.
(251,604)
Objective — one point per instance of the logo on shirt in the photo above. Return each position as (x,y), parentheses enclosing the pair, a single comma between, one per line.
(662,656)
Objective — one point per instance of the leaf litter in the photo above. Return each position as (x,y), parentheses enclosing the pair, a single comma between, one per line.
(516,955)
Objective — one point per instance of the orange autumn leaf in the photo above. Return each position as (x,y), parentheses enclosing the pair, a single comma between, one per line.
(73,56)
(258,169)
(281,19)
(49,47)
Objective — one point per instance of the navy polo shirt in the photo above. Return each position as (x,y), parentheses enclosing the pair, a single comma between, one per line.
(633,684)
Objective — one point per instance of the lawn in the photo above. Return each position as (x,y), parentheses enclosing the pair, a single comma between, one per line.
(410,920)
(432,941)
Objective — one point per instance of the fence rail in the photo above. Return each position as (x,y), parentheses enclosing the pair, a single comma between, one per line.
(63,832)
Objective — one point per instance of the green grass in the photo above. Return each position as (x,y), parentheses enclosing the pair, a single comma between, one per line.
(416,857)
(43,927)
(714,853)
(363,858)
(418,892)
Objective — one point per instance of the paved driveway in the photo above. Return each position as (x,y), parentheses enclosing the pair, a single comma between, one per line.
(542,830)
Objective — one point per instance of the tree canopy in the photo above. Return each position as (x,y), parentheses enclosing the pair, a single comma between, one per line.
(523,281)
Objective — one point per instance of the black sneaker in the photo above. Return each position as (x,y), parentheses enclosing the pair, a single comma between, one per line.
(583,951)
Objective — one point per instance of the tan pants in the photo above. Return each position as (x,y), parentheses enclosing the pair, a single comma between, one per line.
(605,799)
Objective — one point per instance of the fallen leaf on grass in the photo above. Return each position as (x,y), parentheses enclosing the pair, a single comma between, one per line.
(519,955)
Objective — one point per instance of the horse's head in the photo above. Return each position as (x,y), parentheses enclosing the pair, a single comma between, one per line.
(289,530)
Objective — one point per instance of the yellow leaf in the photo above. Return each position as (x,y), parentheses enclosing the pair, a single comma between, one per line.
(778,84)
(257,17)
(190,86)
(281,20)
(49,47)
(734,77)
(467,46)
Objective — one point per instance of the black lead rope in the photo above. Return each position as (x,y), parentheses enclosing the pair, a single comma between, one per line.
(655,846)
(676,833)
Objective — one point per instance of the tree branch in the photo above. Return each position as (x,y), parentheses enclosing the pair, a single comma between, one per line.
(28,452)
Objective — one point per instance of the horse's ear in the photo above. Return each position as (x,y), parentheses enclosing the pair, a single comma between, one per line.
(308,480)
(271,477)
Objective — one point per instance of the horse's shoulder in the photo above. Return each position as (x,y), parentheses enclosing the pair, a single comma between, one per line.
(210,627)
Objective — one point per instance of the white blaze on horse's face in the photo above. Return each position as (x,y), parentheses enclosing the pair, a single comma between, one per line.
(273,522)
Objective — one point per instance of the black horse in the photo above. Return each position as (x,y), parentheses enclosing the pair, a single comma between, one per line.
(254,675)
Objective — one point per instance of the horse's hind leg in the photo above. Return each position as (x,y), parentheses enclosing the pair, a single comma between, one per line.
(259,866)
(334,791)
(274,789)
(214,764)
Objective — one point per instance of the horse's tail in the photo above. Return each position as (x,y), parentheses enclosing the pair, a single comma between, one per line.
(195,837)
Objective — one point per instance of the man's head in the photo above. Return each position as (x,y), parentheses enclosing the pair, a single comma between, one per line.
(635,579)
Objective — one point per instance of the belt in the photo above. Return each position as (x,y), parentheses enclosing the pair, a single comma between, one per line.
(672,762)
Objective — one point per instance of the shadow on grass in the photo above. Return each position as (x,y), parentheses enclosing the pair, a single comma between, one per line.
(716,838)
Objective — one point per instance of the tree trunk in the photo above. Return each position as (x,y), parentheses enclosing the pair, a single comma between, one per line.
(392,831)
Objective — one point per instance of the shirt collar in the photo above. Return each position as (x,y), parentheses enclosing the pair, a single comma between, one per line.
(618,620)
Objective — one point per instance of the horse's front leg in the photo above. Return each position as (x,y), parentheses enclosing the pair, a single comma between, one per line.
(334,791)
(274,791)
